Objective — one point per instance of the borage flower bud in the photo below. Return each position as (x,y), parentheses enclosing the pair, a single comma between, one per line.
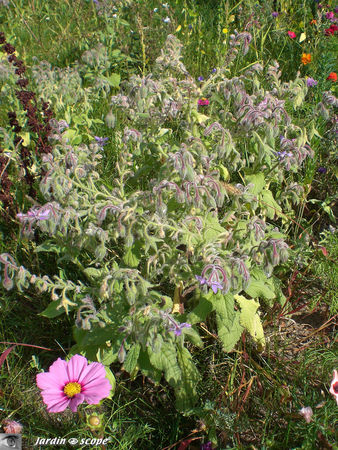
(307,413)
(122,354)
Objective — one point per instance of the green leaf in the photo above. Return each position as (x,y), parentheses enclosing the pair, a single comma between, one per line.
(147,368)
(166,361)
(269,204)
(250,319)
(258,182)
(212,229)
(132,256)
(193,336)
(93,273)
(105,355)
(201,311)
(227,319)
(112,381)
(260,286)
(51,311)
(185,390)
(114,80)
(132,357)
(48,247)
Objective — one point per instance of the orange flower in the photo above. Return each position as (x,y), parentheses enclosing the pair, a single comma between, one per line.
(332,76)
(306,58)
(313,22)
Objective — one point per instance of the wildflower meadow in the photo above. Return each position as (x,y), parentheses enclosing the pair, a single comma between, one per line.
(168,251)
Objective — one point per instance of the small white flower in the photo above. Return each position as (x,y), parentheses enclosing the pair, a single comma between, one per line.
(167,20)
(165,5)
(114,15)
(155,9)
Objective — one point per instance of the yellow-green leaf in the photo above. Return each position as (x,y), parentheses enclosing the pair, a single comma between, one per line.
(250,319)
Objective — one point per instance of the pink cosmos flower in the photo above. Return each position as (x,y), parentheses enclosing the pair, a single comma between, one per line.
(203,102)
(334,385)
(292,34)
(73,382)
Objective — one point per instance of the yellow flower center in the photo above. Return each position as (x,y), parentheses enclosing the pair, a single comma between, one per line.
(72,389)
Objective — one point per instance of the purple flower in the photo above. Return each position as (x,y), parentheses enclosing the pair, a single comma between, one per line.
(282,155)
(178,327)
(322,170)
(214,70)
(215,285)
(200,78)
(207,446)
(201,279)
(329,15)
(34,214)
(311,82)
(101,141)
(275,14)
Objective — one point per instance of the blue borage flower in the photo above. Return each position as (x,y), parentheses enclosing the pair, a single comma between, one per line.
(101,140)
(217,279)
(178,327)
(174,326)
(310,82)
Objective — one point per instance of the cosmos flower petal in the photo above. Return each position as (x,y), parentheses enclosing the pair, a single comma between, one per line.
(334,385)
(55,403)
(100,388)
(57,375)
(76,366)
(96,393)
(75,401)
(92,372)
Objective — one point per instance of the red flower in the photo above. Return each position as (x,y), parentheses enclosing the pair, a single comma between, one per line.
(331,31)
(292,34)
(332,76)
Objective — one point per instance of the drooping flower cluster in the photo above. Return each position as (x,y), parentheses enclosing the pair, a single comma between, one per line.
(215,277)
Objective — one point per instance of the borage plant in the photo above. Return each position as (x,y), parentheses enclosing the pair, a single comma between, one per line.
(187,232)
